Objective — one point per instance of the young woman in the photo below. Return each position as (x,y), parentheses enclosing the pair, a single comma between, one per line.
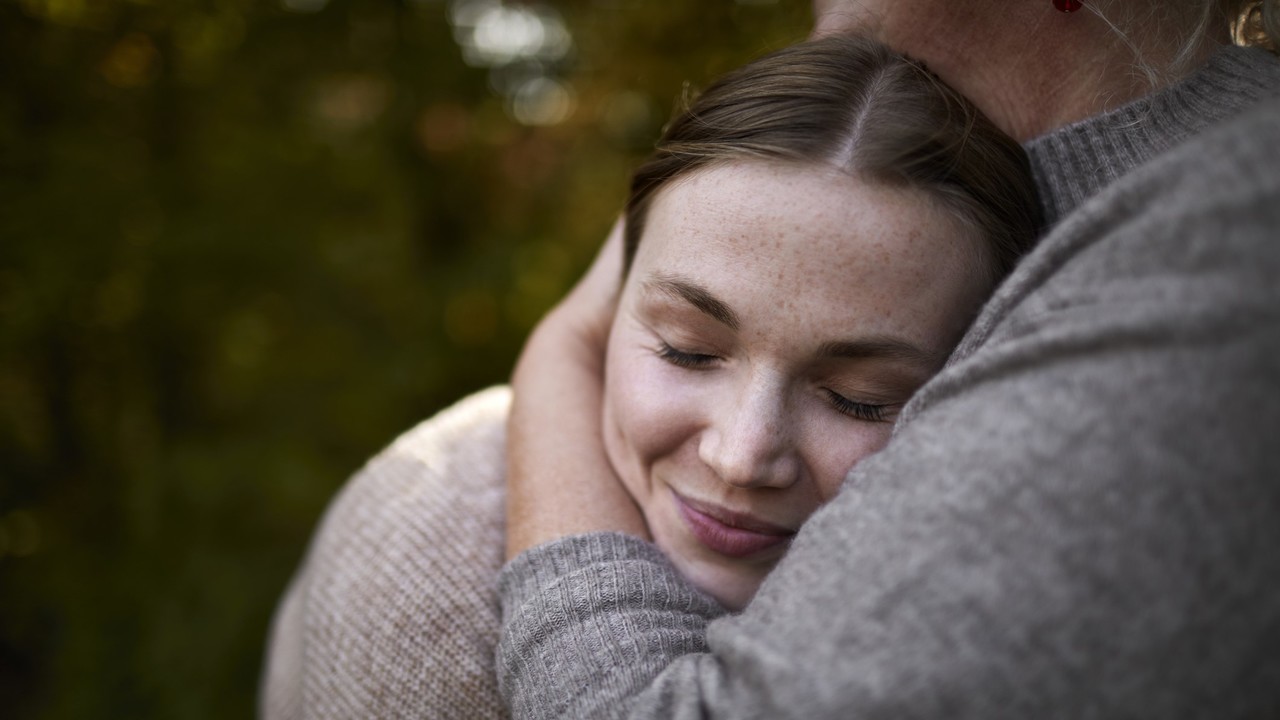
(802,251)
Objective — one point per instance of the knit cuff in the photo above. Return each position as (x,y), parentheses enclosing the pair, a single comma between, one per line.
(591,619)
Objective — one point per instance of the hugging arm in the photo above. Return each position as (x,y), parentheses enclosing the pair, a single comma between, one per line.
(559,480)
(1077,517)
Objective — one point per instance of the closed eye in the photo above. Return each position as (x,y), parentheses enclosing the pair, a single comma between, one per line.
(690,361)
(857,410)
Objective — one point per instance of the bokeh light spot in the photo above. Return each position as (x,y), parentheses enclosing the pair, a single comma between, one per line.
(542,101)
(492,33)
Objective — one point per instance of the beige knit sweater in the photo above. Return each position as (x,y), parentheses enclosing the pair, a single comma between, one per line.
(394,612)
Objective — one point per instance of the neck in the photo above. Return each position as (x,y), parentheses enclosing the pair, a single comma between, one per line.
(1028,67)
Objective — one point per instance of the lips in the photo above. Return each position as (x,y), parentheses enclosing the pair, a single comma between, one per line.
(730,533)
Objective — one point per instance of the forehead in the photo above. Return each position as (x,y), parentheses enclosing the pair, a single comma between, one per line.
(810,246)
(796,216)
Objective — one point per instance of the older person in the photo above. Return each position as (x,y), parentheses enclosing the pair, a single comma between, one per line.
(1078,517)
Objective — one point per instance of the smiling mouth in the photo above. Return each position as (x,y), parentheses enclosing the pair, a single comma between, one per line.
(730,533)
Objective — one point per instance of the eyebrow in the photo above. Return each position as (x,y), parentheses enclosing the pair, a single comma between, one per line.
(871,348)
(882,347)
(696,295)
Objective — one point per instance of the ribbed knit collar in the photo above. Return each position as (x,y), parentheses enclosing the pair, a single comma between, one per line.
(1074,162)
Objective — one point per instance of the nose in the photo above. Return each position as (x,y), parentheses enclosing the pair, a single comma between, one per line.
(749,442)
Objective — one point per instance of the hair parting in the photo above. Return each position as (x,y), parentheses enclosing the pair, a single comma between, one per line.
(853,105)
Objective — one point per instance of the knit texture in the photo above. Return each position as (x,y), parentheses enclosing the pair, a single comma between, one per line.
(1073,163)
(394,612)
(1079,517)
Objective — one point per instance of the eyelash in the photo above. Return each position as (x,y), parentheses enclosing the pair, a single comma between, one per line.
(857,410)
(843,405)
(689,361)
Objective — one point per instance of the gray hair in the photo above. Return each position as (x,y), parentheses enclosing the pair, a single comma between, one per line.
(1191,23)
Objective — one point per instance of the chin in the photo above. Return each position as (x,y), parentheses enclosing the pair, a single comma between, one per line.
(733,599)
(731,588)
(735,602)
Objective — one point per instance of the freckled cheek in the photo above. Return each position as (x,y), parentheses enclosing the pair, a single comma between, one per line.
(840,449)
(649,414)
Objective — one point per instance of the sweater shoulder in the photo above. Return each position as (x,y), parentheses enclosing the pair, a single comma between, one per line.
(1077,162)
(1185,241)
(394,612)
(439,484)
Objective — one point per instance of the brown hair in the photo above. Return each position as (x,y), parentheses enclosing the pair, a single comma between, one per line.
(855,105)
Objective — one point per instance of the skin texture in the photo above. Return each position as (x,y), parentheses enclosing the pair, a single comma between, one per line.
(1030,68)
(1027,66)
(774,321)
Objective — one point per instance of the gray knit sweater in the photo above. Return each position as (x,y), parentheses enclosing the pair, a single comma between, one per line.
(1079,517)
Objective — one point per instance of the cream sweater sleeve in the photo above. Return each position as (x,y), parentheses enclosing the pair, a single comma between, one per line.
(394,612)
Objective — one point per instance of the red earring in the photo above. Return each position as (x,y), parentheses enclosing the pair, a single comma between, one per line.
(1067,6)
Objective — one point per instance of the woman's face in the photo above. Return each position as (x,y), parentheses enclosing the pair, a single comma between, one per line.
(774,321)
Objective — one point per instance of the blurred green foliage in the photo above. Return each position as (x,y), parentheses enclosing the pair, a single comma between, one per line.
(242,245)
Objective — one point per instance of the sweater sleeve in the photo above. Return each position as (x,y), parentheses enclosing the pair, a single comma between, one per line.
(651,616)
(1079,517)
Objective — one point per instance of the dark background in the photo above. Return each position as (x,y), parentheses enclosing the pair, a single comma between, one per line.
(245,243)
